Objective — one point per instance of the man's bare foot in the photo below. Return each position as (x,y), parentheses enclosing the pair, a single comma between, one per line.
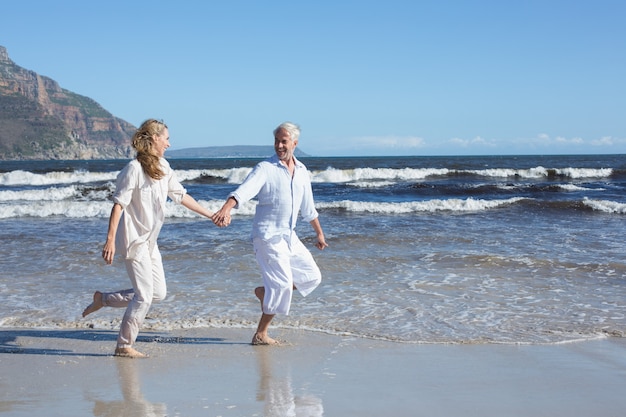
(258,340)
(96,305)
(129,353)
(260,294)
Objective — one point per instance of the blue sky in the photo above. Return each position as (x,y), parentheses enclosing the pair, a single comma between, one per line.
(360,77)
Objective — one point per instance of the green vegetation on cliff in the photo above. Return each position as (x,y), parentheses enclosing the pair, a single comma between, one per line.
(41,120)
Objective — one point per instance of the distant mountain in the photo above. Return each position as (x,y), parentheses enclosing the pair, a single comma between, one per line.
(226,152)
(39,120)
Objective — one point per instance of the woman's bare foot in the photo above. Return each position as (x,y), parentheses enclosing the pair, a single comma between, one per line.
(259,340)
(129,353)
(96,305)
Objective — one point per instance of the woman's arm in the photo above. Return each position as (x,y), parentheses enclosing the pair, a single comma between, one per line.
(191,203)
(108,252)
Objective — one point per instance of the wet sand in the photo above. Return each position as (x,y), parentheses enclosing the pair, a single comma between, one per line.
(216,372)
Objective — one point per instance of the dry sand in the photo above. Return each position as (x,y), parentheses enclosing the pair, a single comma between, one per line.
(216,372)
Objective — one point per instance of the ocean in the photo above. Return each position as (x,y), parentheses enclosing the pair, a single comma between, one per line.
(494,249)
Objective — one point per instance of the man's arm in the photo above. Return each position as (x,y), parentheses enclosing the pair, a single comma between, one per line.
(321,241)
(221,218)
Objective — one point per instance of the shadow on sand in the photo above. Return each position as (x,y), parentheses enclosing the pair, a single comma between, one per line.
(10,344)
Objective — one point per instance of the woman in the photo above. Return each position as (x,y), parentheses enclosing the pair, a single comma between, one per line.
(142,189)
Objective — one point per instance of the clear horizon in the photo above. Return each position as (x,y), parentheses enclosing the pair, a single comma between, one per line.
(313,155)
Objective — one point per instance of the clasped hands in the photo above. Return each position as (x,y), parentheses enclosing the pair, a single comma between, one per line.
(221,218)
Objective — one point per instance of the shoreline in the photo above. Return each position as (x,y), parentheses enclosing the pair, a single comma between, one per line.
(216,372)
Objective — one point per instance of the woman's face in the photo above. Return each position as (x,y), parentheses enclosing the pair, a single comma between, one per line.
(161,142)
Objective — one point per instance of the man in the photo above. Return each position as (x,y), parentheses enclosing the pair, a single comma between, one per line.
(282,186)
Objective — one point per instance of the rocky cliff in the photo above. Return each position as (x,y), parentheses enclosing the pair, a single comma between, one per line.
(39,120)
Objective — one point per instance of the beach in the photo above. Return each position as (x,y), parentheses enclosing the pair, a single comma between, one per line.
(452,286)
(216,372)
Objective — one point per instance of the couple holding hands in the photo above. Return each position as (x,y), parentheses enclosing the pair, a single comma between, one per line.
(282,187)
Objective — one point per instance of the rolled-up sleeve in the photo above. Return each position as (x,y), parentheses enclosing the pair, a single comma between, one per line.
(307,208)
(175,190)
(125,184)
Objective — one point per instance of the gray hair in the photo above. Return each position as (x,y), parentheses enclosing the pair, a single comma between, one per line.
(291,128)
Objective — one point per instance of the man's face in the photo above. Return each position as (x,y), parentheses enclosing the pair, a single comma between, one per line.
(284,146)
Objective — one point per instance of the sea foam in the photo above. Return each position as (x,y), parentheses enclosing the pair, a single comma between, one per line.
(453,204)
(605,206)
(18,178)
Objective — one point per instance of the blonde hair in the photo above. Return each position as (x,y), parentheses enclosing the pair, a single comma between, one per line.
(143,141)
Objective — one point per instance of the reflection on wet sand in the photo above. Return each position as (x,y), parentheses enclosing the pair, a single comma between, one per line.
(276,392)
(133,404)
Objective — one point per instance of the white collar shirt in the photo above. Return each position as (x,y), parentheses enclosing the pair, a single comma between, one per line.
(280,196)
(143,201)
